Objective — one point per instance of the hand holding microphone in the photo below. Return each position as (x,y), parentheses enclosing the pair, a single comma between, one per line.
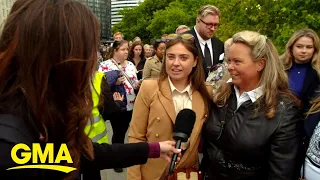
(167,149)
(183,127)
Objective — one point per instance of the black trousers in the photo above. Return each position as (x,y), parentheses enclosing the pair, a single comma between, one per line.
(92,175)
(120,122)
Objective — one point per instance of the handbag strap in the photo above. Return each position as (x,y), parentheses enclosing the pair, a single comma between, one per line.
(303,170)
(122,72)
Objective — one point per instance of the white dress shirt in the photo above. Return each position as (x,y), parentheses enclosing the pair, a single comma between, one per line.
(252,95)
(181,99)
(203,43)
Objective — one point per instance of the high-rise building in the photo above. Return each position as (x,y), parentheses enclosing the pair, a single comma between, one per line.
(102,9)
(5,6)
(117,5)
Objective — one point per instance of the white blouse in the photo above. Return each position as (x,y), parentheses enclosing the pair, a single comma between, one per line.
(130,70)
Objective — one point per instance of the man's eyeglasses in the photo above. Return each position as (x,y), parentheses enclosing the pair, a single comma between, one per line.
(210,25)
(183,36)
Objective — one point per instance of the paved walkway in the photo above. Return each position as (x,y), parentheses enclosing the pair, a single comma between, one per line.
(109,174)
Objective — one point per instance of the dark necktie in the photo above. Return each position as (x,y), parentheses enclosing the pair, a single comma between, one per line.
(207,56)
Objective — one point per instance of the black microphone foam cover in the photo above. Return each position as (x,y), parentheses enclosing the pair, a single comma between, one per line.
(185,121)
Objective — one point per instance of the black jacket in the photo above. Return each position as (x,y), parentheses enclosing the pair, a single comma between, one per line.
(140,66)
(14,130)
(310,84)
(250,147)
(217,47)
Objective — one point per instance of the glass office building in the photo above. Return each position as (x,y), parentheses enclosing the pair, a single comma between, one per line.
(102,9)
(117,5)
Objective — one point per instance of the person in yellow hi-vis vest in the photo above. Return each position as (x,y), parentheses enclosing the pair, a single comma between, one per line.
(97,129)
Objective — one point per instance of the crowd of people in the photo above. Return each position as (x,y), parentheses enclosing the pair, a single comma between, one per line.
(257,111)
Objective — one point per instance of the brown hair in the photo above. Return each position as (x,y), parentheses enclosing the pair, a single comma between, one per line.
(288,57)
(197,74)
(115,47)
(315,106)
(48,53)
(131,53)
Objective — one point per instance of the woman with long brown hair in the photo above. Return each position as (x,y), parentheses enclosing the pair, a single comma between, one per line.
(160,100)
(137,57)
(48,56)
(302,62)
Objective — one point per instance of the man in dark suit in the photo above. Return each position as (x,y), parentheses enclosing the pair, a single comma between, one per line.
(211,48)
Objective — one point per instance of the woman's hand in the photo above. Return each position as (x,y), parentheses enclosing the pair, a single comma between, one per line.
(117,96)
(120,80)
(138,84)
(167,148)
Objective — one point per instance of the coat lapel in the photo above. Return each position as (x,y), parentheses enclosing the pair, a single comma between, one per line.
(193,32)
(166,99)
(309,78)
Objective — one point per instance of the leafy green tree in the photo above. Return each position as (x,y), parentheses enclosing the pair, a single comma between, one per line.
(277,19)
(135,20)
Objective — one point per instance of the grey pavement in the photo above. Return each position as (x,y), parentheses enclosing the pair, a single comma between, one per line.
(109,174)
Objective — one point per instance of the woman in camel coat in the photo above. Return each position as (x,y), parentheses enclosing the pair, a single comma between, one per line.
(160,100)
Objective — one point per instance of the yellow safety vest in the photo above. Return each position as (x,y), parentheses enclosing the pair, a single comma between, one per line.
(98,127)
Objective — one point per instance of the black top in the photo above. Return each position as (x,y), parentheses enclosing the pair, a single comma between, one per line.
(239,145)
(310,84)
(139,67)
(109,105)
(14,130)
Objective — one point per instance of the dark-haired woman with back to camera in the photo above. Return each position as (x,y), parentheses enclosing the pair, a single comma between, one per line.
(160,100)
(48,57)
(252,132)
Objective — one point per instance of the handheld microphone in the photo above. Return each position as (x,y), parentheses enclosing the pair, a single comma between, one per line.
(182,130)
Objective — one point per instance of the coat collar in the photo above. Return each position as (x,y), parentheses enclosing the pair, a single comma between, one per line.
(167,102)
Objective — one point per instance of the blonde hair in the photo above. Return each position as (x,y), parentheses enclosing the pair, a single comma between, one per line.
(208,9)
(288,57)
(182,27)
(227,45)
(315,106)
(117,33)
(273,77)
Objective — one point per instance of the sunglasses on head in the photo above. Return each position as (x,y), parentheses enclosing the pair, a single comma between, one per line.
(187,37)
